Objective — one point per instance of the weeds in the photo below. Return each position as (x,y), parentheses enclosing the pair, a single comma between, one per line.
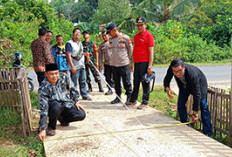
(11,141)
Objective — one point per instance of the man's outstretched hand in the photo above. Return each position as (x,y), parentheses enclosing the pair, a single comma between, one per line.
(42,135)
(195,117)
(169,93)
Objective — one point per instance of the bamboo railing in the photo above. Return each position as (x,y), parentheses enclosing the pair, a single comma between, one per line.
(220,107)
(14,95)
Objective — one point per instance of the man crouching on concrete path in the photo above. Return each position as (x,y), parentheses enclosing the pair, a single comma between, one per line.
(55,103)
(190,80)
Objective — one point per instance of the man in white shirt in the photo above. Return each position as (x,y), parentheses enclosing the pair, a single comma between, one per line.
(76,60)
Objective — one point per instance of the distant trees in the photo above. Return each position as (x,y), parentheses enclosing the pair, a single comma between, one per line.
(20,21)
(111,10)
(195,30)
(79,11)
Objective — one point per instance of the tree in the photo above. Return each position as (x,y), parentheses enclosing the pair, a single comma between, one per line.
(159,11)
(75,11)
(107,11)
(20,21)
(25,10)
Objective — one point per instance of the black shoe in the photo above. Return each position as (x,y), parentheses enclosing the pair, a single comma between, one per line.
(110,92)
(115,101)
(89,88)
(100,87)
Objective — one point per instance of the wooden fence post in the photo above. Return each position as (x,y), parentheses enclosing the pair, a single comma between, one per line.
(231,103)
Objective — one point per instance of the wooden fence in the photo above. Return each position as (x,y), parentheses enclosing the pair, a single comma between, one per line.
(15,96)
(220,108)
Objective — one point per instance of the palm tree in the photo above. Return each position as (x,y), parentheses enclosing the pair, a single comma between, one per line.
(161,10)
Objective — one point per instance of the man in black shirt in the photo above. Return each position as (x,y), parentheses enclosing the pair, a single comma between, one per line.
(190,80)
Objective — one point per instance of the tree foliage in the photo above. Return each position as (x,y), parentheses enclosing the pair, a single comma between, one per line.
(159,11)
(212,21)
(79,11)
(111,12)
(20,21)
(194,30)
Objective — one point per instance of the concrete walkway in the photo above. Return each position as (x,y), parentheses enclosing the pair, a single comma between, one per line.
(81,139)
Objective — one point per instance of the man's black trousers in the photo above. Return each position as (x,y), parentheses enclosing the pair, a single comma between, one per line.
(140,69)
(108,73)
(57,109)
(123,73)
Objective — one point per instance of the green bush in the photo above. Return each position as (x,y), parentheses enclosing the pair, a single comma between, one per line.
(172,40)
(167,49)
(20,23)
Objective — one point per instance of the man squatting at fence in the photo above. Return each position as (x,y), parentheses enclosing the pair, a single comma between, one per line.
(55,103)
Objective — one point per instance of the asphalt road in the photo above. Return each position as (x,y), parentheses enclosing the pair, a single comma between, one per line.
(217,73)
(214,74)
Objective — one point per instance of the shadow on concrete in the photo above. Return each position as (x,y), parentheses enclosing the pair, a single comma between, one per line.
(59,127)
(102,105)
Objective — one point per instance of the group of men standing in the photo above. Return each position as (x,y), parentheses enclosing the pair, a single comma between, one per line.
(116,56)
(121,59)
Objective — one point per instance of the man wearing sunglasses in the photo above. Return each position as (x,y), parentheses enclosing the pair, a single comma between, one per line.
(190,80)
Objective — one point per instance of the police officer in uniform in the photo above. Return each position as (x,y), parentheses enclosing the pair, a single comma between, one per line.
(120,47)
(105,56)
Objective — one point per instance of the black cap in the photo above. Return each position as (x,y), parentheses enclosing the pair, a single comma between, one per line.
(87,32)
(51,67)
(110,27)
(141,20)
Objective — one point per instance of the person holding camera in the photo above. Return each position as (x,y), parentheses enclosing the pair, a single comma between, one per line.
(141,62)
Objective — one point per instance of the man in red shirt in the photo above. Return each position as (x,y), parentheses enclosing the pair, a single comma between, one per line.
(141,62)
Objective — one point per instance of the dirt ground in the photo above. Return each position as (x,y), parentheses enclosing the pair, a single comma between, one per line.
(100,134)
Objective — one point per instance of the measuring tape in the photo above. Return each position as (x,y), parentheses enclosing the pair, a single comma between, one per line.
(121,131)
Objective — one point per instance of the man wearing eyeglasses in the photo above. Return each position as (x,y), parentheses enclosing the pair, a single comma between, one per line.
(190,80)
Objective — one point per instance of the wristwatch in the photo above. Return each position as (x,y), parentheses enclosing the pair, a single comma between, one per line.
(149,67)
(196,115)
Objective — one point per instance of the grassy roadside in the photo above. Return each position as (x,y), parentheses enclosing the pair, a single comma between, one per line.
(160,101)
(11,141)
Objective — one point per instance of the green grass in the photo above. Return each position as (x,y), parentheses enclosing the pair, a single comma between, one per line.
(11,141)
(34,99)
(225,139)
(160,101)
(18,146)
